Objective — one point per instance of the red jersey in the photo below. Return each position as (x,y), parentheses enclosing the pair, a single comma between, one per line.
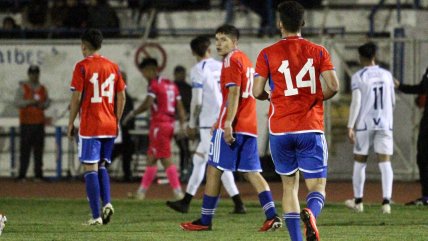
(166,94)
(99,80)
(238,70)
(294,66)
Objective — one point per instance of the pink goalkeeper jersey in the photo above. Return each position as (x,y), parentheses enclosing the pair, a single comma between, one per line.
(166,94)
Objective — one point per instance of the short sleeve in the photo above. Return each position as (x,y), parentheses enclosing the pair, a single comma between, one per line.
(120,85)
(77,82)
(233,73)
(262,65)
(325,61)
(355,82)
(197,78)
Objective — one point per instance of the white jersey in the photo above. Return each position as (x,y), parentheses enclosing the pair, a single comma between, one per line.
(377,98)
(206,75)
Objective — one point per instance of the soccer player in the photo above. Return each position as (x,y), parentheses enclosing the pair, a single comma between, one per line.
(99,97)
(293,66)
(164,100)
(370,124)
(205,106)
(234,141)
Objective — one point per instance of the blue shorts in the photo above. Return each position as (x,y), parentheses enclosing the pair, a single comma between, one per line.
(242,155)
(306,152)
(95,149)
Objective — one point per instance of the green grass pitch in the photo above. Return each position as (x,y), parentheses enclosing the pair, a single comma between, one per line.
(53,219)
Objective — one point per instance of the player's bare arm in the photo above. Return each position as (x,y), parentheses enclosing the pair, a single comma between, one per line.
(232,108)
(147,103)
(181,117)
(259,91)
(332,84)
(74,109)
(120,104)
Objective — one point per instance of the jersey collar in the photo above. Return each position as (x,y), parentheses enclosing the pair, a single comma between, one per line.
(292,37)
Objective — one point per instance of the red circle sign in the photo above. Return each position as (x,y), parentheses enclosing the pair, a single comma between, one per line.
(152,50)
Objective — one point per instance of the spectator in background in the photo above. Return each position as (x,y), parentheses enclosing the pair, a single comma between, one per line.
(183,141)
(126,147)
(10,29)
(32,99)
(262,8)
(35,14)
(103,16)
(57,13)
(422,150)
(144,7)
(75,18)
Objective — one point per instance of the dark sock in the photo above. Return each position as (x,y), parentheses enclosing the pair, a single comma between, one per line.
(237,200)
(358,200)
(187,198)
(385,201)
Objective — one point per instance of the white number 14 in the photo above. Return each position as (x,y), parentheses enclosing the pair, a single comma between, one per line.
(308,67)
(107,84)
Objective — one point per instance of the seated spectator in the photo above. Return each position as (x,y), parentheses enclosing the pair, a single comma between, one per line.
(102,16)
(35,14)
(57,13)
(75,18)
(10,29)
(144,7)
(262,8)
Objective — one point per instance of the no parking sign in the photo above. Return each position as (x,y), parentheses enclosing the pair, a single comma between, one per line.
(152,50)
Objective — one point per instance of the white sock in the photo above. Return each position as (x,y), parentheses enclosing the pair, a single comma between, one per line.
(229,183)
(387,178)
(359,178)
(198,173)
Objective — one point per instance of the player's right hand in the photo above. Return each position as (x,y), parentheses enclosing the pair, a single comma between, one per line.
(70,131)
(351,135)
(228,135)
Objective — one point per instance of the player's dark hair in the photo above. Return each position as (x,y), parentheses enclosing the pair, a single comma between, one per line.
(230,30)
(368,50)
(291,15)
(148,62)
(179,69)
(199,45)
(93,37)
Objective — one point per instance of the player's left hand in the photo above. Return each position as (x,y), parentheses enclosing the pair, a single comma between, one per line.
(228,135)
(351,135)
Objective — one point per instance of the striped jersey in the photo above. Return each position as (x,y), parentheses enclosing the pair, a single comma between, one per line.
(206,75)
(98,79)
(377,98)
(293,66)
